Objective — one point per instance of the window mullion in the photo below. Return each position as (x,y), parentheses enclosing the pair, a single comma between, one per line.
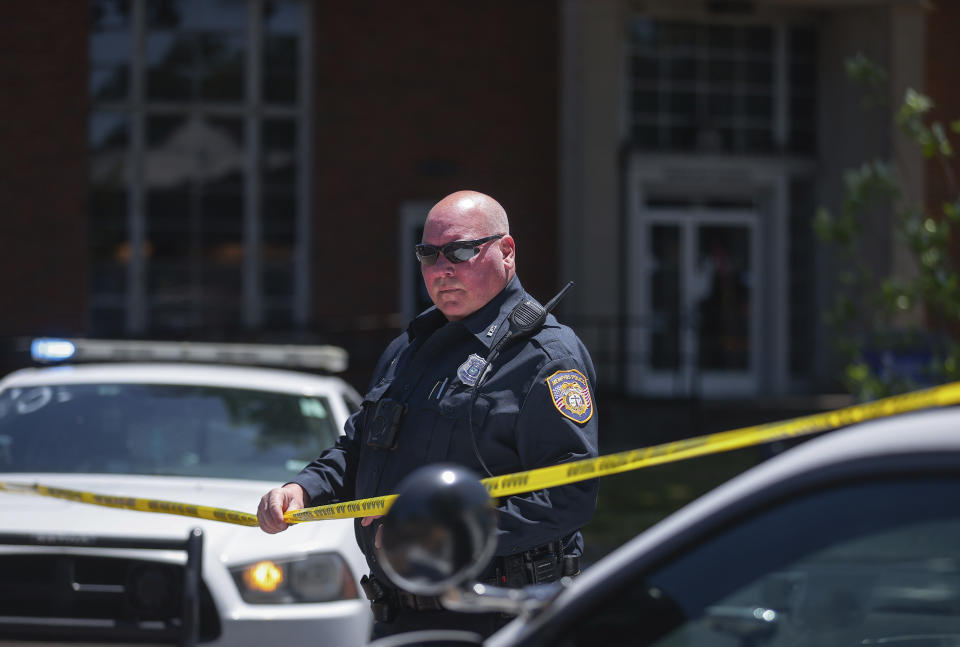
(253,190)
(136,311)
(301,270)
(781,108)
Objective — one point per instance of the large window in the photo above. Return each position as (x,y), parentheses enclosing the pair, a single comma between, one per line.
(198,211)
(721,87)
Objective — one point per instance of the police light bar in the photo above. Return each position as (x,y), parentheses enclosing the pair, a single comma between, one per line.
(324,357)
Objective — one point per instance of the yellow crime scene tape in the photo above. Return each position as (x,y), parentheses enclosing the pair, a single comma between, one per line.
(130,503)
(554,475)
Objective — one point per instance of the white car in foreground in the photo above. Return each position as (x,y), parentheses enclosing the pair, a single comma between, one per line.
(217,436)
(852,538)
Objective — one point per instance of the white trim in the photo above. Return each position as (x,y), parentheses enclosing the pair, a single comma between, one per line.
(411,217)
(765,181)
(569,192)
(778,250)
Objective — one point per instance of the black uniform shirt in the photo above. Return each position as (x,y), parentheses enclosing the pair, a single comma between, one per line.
(535,408)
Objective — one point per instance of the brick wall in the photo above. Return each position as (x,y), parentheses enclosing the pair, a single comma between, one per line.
(413,100)
(418,99)
(43,76)
(941,53)
(942,49)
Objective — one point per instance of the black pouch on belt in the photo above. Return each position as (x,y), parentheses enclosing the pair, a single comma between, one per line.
(380,604)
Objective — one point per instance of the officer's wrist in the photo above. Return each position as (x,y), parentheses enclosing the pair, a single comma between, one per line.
(296,492)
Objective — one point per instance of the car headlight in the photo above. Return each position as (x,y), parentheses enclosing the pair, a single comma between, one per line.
(317,577)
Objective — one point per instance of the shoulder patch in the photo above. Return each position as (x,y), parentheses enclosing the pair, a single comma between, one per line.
(571,395)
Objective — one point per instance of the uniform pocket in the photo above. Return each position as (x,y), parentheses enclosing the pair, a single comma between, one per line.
(450,439)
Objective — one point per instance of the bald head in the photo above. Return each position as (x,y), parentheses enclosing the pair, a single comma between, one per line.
(477,207)
(459,289)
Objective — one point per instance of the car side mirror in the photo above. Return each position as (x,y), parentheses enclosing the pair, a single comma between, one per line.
(440,531)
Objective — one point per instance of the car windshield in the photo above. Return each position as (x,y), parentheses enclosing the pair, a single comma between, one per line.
(201,431)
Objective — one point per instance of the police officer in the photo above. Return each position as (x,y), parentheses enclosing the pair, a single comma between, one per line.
(534,407)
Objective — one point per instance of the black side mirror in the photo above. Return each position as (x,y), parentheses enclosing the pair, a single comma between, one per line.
(440,531)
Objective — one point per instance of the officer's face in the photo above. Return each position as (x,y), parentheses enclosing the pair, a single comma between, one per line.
(460,289)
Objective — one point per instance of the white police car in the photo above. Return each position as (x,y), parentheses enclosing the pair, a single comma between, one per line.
(204,434)
(852,538)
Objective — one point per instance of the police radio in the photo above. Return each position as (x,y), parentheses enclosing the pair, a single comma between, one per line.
(526,318)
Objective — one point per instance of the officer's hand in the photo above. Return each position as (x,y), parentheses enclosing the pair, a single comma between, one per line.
(277,501)
(366,521)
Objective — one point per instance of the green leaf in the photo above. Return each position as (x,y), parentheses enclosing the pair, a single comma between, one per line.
(866,309)
(930,258)
(943,144)
(862,69)
(916,102)
(858,371)
(952,211)
(824,225)
(950,365)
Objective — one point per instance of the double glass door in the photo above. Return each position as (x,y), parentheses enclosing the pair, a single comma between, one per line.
(696,303)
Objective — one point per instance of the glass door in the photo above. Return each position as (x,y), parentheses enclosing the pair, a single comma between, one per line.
(697,327)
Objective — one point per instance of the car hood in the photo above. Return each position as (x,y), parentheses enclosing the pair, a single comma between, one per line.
(35,514)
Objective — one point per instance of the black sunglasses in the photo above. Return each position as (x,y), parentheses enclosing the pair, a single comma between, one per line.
(456,252)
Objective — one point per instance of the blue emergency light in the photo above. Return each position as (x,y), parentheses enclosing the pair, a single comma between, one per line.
(52,350)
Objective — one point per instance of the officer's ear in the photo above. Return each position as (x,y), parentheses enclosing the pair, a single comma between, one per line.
(509,251)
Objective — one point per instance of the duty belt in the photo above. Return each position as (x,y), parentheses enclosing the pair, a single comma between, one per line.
(385,600)
(539,565)
(536,566)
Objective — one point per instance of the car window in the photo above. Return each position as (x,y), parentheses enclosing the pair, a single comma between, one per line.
(858,564)
(162,429)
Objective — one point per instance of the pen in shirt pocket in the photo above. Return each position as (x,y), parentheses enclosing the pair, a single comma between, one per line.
(443,385)
(434,389)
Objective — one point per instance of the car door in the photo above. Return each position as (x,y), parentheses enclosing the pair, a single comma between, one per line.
(858,561)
